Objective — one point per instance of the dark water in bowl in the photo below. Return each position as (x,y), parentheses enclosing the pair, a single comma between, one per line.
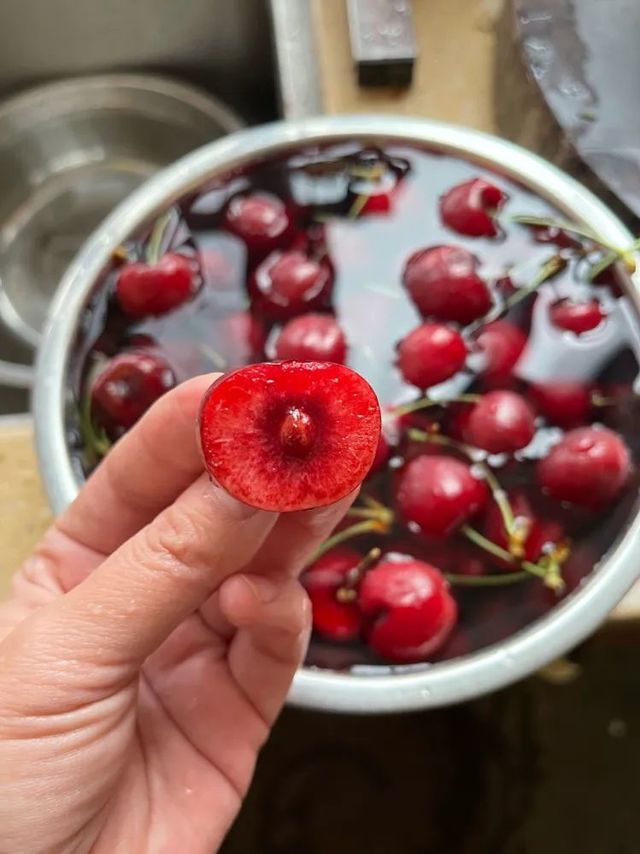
(368,252)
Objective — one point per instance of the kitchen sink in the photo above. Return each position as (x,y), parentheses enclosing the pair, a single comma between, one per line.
(246,53)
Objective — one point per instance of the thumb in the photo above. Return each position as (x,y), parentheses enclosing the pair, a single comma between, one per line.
(124,610)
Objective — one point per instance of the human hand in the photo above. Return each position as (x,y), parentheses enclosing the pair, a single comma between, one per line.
(146,651)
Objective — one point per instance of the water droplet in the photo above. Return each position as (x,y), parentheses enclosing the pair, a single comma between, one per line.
(617,728)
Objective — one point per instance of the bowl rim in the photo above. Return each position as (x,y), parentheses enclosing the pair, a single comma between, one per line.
(403,689)
(150,95)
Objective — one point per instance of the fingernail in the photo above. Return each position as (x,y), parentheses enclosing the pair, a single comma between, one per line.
(262,588)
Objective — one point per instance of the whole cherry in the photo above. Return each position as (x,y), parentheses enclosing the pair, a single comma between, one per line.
(577,317)
(501,343)
(588,467)
(470,208)
(126,387)
(336,615)
(261,220)
(501,422)
(144,289)
(312,337)
(444,284)
(289,283)
(431,354)
(437,494)
(566,403)
(408,609)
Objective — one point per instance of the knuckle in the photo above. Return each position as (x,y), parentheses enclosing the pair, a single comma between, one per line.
(175,542)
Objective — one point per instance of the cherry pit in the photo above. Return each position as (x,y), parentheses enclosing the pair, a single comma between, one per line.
(406,323)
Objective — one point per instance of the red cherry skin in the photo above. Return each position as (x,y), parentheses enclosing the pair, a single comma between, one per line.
(588,467)
(443,283)
(144,290)
(501,422)
(260,220)
(577,317)
(333,619)
(431,354)
(126,387)
(563,402)
(502,344)
(312,338)
(555,235)
(438,494)
(408,609)
(470,208)
(289,283)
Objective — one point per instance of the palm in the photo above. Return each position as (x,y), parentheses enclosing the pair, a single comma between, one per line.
(175,748)
(147,650)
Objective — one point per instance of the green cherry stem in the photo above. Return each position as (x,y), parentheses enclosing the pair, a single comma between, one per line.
(368,526)
(347,591)
(571,227)
(96,441)
(426,402)
(552,266)
(158,232)
(550,574)
(356,208)
(602,400)
(486,580)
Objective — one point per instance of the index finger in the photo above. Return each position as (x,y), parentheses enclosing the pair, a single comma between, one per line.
(143,473)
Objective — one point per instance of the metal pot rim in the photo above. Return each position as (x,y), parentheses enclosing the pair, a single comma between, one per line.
(413,688)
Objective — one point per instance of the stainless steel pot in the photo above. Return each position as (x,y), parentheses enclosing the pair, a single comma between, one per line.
(399,689)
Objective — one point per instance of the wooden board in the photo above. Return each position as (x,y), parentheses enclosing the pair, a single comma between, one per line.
(24,513)
(453,79)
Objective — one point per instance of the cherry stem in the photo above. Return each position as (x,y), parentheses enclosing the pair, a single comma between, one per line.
(550,575)
(95,440)
(602,400)
(218,361)
(572,228)
(369,526)
(354,575)
(356,208)
(121,253)
(486,580)
(426,402)
(552,266)
(498,493)
(613,254)
(156,238)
